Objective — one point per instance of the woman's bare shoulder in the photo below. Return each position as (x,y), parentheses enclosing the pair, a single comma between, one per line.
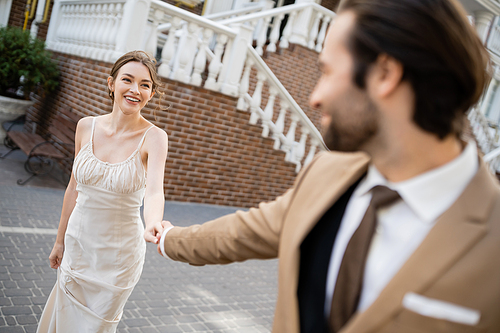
(156,137)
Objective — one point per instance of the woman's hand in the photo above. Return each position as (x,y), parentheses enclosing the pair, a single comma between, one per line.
(153,232)
(56,255)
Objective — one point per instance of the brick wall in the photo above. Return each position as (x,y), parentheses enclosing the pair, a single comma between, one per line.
(16,18)
(215,156)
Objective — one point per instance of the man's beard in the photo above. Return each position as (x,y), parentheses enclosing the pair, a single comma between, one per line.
(353,131)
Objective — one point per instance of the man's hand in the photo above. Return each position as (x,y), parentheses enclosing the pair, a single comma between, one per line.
(165,225)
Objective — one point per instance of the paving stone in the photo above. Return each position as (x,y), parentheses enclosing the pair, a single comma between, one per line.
(24,320)
(136,322)
(21,301)
(15,310)
(12,329)
(170,296)
(10,320)
(170,329)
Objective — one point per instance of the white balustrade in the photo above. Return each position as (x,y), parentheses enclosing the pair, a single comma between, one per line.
(289,112)
(493,42)
(251,7)
(493,160)
(87,29)
(482,130)
(306,25)
(192,45)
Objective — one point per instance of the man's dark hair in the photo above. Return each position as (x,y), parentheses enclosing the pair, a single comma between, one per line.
(442,56)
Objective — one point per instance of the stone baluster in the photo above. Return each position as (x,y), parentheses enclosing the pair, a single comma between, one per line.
(257,98)
(84,28)
(168,51)
(261,39)
(116,16)
(279,126)
(201,58)
(300,149)
(312,151)
(74,32)
(90,21)
(102,31)
(62,30)
(287,32)
(183,73)
(233,63)
(71,34)
(483,21)
(106,31)
(267,118)
(313,34)
(94,33)
(322,33)
(216,63)
(275,33)
(290,139)
(244,86)
(152,41)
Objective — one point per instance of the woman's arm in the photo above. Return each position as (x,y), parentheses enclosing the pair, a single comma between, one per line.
(156,146)
(69,201)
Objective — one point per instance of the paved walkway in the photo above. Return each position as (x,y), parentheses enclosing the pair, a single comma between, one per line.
(170,297)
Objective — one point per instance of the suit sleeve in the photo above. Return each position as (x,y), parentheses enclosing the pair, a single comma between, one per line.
(254,234)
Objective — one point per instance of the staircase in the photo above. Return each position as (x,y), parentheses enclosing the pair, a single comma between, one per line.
(222,53)
(213,66)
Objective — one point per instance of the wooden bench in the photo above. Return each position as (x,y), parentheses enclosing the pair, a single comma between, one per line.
(42,151)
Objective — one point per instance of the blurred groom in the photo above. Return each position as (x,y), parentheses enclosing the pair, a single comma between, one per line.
(397,229)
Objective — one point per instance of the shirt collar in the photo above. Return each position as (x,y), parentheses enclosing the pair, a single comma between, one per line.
(430,194)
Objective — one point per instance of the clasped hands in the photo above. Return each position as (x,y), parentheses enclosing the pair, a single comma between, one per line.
(153,232)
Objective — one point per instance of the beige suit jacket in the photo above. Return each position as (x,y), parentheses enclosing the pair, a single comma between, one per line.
(458,262)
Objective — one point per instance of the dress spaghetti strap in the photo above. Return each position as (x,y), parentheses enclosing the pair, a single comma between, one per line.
(144,137)
(92,131)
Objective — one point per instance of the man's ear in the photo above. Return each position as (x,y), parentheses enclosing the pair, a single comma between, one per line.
(385,75)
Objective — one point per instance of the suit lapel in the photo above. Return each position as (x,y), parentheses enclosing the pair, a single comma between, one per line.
(332,180)
(455,232)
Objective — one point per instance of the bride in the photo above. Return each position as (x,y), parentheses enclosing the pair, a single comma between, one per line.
(99,250)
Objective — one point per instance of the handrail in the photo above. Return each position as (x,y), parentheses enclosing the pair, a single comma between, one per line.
(285,94)
(275,12)
(254,7)
(492,155)
(188,16)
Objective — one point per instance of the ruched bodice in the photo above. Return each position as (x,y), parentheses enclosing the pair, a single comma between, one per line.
(124,177)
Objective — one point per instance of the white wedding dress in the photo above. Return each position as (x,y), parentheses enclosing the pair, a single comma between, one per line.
(104,246)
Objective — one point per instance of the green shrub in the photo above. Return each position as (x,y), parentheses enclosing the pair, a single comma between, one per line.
(25,65)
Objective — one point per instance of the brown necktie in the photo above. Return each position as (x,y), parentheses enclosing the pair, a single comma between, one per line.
(350,278)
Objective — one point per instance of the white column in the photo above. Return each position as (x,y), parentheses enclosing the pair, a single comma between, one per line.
(300,30)
(488,96)
(55,20)
(5,6)
(483,21)
(132,27)
(234,60)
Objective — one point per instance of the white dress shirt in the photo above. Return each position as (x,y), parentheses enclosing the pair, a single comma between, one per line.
(402,226)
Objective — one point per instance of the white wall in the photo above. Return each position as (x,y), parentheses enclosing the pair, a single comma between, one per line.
(5,6)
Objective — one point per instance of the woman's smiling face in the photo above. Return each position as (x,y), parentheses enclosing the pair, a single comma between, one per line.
(132,87)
